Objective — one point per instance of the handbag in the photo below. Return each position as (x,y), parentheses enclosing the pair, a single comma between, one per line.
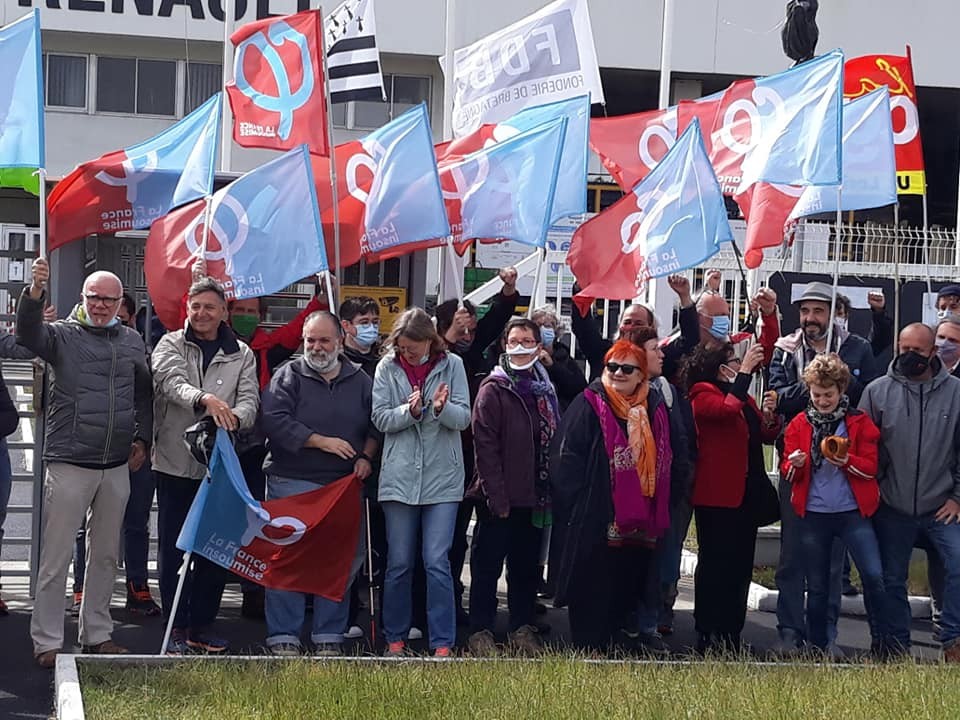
(760,499)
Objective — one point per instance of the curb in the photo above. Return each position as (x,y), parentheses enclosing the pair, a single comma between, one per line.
(68,696)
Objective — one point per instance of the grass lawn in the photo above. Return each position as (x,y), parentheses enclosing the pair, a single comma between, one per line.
(553,688)
(917,583)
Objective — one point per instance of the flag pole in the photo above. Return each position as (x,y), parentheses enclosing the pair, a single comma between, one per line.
(226,125)
(926,241)
(370,584)
(329,284)
(449,23)
(896,267)
(187,556)
(208,204)
(457,280)
(836,267)
(333,155)
(41,174)
(542,253)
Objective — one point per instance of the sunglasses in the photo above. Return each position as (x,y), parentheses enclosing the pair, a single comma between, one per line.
(625,368)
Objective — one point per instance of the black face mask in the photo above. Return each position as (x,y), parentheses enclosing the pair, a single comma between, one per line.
(912,364)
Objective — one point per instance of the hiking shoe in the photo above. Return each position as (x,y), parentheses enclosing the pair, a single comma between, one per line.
(4,610)
(139,600)
(47,660)
(443,652)
(285,650)
(525,640)
(206,642)
(77,600)
(355,632)
(253,607)
(328,650)
(107,647)
(396,649)
(415,634)
(177,645)
(482,644)
(652,645)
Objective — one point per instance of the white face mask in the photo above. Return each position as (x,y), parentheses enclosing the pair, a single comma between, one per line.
(522,367)
(842,323)
(521,351)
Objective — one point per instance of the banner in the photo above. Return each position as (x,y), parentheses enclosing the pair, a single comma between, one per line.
(263,233)
(277,95)
(547,56)
(865,74)
(21,95)
(300,543)
(129,189)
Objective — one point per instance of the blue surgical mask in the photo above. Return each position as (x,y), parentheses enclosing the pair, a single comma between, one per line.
(720,327)
(367,335)
(548,335)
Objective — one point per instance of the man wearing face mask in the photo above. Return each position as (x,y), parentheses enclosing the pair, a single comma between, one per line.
(98,428)
(565,373)
(360,320)
(948,302)
(916,405)
(948,344)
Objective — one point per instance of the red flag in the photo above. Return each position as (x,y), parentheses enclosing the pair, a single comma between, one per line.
(766,208)
(167,259)
(277,97)
(630,146)
(864,74)
(726,130)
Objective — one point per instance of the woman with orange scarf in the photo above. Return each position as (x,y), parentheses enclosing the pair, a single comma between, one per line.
(610,477)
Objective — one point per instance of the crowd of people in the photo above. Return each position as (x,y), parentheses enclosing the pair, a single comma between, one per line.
(583,484)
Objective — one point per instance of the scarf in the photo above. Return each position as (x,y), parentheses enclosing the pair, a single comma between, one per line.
(824,425)
(418,374)
(638,519)
(633,409)
(535,384)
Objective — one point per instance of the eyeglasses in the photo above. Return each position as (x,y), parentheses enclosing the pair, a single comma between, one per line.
(526,342)
(101,300)
(625,368)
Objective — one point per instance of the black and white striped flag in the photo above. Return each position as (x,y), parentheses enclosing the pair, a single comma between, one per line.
(353,61)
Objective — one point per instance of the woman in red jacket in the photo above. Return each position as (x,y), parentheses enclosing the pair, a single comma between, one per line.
(729,488)
(834,491)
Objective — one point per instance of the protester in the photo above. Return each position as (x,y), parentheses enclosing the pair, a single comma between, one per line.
(565,374)
(881,324)
(202,369)
(948,302)
(468,338)
(916,405)
(656,609)
(834,494)
(421,403)
(948,344)
(732,495)
(610,524)
(514,418)
(98,425)
(316,414)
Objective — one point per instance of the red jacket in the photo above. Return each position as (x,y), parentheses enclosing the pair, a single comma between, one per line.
(861,470)
(720,478)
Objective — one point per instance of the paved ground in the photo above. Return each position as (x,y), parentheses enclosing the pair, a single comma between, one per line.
(26,691)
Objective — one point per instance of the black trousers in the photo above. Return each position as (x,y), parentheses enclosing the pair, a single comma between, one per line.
(513,539)
(604,592)
(726,539)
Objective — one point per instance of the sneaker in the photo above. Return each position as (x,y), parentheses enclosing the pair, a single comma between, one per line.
(332,649)
(482,644)
(285,650)
(107,647)
(77,599)
(4,610)
(525,640)
(415,634)
(443,652)
(177,645)
(355,633)
(652,644)
(253,605)
(206,642)
(396,649)
(139,600)
(47,660)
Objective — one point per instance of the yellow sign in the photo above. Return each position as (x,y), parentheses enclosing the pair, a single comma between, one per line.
(392,300)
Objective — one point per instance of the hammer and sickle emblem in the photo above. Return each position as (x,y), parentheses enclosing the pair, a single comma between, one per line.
(286,101)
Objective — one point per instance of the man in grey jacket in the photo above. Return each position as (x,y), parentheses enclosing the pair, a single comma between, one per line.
(97,424)
(200,370)
(917,408)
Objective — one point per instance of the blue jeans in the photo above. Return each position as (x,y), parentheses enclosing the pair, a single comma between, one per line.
(791,571)
(136,525)
(818,531)
(896,533)
(656,607)
(286,610)
(6,481)
(433,525)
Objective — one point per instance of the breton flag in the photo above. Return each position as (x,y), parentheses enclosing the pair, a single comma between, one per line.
(353,61)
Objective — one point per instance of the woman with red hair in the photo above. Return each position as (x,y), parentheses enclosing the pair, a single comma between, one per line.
(610,476)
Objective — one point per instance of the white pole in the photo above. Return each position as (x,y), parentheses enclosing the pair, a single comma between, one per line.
(896,268)
(541,260)
(926,245)
(42,177)
(449,20)
(207,217)
(836,267)
(226,127)
(457,279)
(333,162)
(957,251)
(329,283)
(176,600)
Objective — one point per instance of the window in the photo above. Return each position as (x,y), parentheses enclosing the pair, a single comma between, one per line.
(142,87)
(203,80)
(403,92)
(66,80)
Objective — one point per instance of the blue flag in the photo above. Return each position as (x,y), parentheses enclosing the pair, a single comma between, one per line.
(799,118)
(21,94)
(569,198)
(869,164)
(404,203)
(507,190)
